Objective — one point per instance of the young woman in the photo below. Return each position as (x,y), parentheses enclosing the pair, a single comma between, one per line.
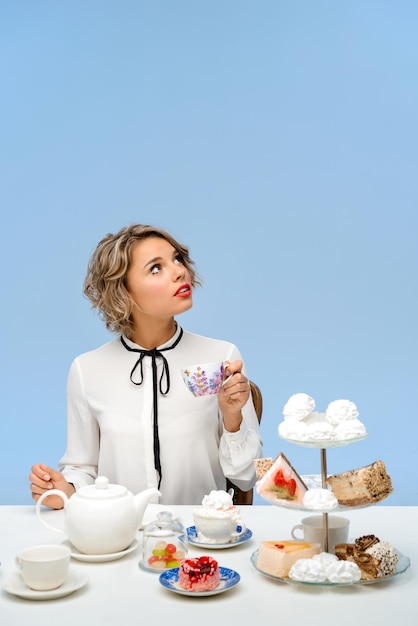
(130,416)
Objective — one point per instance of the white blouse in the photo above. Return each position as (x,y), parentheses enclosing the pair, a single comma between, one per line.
(110,423)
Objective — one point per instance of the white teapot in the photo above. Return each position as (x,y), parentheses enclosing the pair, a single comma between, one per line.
(100,518)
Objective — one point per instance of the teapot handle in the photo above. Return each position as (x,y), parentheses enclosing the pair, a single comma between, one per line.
(51,492)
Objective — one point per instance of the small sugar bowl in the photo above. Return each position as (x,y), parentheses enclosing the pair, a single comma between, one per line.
(164,543)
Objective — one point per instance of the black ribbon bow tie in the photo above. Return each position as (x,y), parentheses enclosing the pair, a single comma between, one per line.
(154,354)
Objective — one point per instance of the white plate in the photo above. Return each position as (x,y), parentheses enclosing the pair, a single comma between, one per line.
(402,566)
(13,583)
(192,536)
(151,512)
(170,580)
(99,558)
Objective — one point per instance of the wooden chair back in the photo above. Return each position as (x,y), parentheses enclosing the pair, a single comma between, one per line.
(246,497)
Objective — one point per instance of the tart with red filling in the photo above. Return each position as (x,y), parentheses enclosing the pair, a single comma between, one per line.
(199,574)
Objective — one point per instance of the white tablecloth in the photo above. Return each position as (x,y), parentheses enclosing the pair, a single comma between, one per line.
(120,593)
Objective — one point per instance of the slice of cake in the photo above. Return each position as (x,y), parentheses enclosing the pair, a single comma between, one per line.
(199,574)
(262,465)
(281,482)
(277,557)
(375,558)
(366,485)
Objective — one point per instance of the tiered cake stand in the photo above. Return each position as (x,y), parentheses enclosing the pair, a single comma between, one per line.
(322,446)
(321,481)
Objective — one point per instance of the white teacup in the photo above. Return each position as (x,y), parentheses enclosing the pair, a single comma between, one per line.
(44,567)
(218,525)
(204,379)
(312,530)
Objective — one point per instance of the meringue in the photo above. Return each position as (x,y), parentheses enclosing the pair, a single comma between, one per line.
(341,410)
(319,499)
(299,406)
(307,570)
(302,424)
(343,572)
(324,567)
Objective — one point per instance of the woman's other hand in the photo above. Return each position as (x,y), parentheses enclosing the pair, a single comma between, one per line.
(44,478)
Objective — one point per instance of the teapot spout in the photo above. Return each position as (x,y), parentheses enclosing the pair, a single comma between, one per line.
(142,500)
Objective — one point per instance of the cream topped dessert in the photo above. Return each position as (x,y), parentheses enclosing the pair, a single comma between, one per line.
(218,520)
(218,500)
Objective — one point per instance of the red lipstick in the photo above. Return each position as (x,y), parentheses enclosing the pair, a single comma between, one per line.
(184,291)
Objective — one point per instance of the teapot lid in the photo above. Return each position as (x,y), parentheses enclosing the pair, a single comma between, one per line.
(102,489)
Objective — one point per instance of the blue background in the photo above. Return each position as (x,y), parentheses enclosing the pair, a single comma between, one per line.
(278,140)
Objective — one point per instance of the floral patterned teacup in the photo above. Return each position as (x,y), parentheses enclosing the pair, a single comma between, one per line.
(204,379)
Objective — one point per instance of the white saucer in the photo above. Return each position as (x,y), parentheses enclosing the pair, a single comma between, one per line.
(13,583)
(151,512)
(193,538)
(99,558)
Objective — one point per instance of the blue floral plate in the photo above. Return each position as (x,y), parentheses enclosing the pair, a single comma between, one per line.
(170,580)
(193,538)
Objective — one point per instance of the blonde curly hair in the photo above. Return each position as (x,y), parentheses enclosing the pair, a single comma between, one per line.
(105,283)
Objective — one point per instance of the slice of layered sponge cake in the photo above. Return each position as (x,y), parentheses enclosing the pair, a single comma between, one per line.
(281,482)
(277,557)
(366,485)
